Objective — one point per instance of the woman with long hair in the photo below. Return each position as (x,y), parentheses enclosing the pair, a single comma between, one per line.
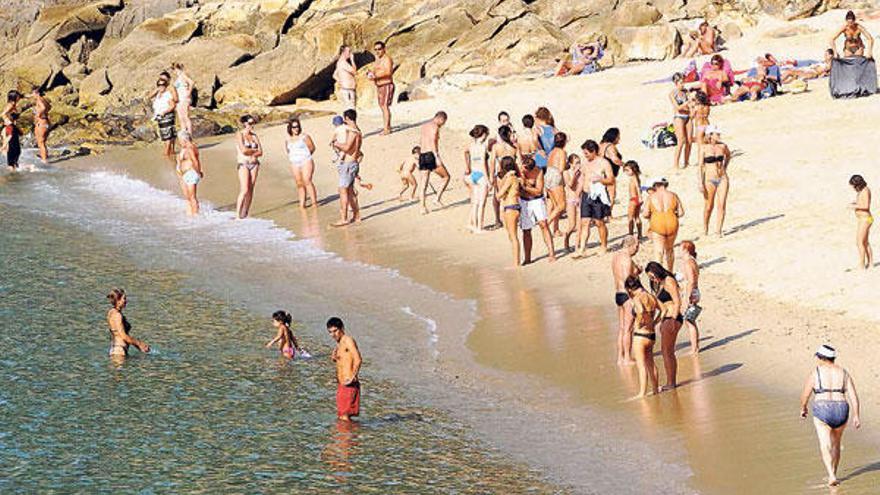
(120,329)
(608,150)
(646,310)
(554,183)
(509,196)
(300,149)
(668,295)
(503,147)
(184,86)
(477,176)
(41,122)
(545,132)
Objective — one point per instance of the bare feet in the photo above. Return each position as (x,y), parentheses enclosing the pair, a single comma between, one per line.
(341,223)
(425,211)
(386,131)
(833,481)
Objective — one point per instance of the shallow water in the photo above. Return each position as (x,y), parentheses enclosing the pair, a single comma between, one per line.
(210,409)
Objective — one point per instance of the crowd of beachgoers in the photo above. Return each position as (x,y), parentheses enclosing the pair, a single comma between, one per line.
(528,175)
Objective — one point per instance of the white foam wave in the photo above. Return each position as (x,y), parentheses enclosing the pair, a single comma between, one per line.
(430,326)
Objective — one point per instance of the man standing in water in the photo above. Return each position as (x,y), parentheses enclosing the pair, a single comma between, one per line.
(348,363)
(348,168)
(382,74)
(345,73)
(623,267)
(429,159)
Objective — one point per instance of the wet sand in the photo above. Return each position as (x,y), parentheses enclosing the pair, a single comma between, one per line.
(536,374)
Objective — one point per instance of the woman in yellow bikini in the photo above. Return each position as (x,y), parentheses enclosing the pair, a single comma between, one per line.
(714,157)
(862,207)
(663,211)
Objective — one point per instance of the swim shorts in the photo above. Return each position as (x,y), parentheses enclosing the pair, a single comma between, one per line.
(347,173)
(534,211)
(348,97)
(167,132)
(594,208)
(428,161)
(348,399)
(191,177)
(386,94)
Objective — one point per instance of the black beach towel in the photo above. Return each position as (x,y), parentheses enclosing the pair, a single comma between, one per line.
(853,77)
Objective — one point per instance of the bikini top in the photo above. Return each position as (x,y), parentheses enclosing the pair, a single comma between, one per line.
(714,159)
(663,296)
(477,153)
(605,155)
(680,97)
(822,390)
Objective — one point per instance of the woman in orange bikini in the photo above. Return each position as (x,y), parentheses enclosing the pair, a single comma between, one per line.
(631,168)
(853,45)
(862,207)
(714,157)
(663,211)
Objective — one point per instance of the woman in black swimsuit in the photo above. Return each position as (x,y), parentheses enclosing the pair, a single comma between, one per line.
(608,150)
(11,133)
(667,291)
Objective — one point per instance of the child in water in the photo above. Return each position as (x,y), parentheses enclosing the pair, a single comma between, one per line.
(406,169)
(631,168)
(285,339)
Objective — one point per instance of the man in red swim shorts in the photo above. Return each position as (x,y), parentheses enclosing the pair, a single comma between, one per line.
(348,363)
(383,75)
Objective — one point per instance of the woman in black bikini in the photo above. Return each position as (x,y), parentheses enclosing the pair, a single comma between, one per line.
(608,150)
(714,157)
(667,291)
(11,133)
(646,310)
(120,329)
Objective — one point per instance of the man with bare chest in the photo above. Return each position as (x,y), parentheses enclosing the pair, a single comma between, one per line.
(622,267)
(348,363)
(429,159)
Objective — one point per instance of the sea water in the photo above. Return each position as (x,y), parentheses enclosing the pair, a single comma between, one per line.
(209,410)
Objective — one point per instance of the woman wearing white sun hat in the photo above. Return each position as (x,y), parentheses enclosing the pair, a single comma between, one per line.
(835,398)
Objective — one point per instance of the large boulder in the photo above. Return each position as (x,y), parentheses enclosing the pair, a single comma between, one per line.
(39,64)
(65,23)
(647,43)
(138,11)
(635,13)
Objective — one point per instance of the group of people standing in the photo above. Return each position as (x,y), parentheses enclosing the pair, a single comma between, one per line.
(10,138)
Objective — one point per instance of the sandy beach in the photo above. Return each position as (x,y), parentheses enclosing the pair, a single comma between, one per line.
(539,360)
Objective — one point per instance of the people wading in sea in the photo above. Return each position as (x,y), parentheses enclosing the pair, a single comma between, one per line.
(383,75)
(348,364)
(11,145)
(249,152)
(41,122)
(120,329)
(284,337)
(622,267)
(430,161)
(835,398)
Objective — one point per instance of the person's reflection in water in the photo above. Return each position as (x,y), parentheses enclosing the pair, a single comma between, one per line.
(310,227)
(339,451)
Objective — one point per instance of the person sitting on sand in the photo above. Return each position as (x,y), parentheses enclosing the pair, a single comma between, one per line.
(714,158)
(623,267)
(430,161)
(595,203)
(189,172)
(477,173)
(646,314)
(814,71)
(249,151)
(663,211)
(835,398)
(702,41)
(509,196)
(669,296)
(285,339)
(533,209)
(348,361)
(852,31)
(634,205)
(120,329)
(681,120)
(862,208)
(689,282)
(406,171)
(751,87)
(300,150)
(573,189)
(348,169)
(580,59)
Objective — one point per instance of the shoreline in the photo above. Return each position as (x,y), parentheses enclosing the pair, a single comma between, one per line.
(773,349)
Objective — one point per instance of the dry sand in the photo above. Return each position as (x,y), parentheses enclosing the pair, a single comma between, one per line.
(776,286)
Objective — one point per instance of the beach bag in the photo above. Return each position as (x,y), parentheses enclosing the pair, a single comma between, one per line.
(661,136)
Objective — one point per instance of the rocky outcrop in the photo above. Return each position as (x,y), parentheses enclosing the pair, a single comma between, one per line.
(103,55)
